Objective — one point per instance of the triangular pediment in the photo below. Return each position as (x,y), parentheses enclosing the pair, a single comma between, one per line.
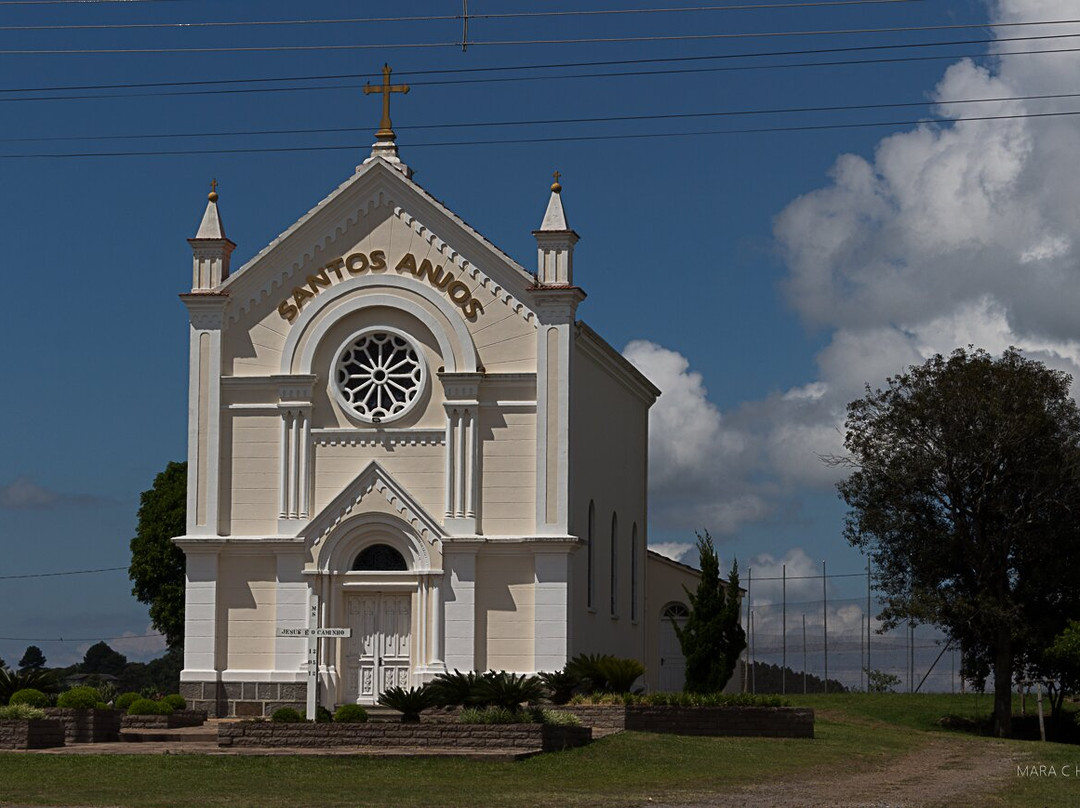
(374,193)
(373,481)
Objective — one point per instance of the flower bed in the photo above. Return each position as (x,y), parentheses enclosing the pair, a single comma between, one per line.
(509,737)
(758,722)
(179,718)
(31,733)
(87,726)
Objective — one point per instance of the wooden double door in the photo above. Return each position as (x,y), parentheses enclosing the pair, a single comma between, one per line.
(377,655)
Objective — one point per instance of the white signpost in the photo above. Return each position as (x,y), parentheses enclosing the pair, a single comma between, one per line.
(313,632)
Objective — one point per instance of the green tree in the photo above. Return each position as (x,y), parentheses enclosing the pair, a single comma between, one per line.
(713,637)
(32,659)
(157,564)
(965,493)
(100,658)
(1059,664)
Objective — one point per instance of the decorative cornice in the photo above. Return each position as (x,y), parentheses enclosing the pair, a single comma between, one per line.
(378,437)
(206,310)
(373,479)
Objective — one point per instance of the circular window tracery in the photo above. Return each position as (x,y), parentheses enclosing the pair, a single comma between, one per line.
(379,375)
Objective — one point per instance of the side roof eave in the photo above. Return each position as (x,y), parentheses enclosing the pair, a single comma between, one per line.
(617,365)
(489,259)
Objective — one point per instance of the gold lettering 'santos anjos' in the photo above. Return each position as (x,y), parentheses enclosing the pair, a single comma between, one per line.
(358,263)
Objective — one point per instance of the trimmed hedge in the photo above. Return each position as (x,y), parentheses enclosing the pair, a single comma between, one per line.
(80,698)
(176,701)
(149,707)
(350,714)
(29,696)
(126,700)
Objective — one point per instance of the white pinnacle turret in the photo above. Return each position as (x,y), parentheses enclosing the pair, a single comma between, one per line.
(210,248)
(555,243)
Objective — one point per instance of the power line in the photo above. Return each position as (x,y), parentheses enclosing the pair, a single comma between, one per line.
(55,574)
(82,639)
(553,139)
(504,79)
(522,42)
(544,122)
(442,17)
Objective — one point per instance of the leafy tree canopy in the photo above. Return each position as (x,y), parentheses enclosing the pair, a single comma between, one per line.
(32,659)
(100,658)
(157,565)
(965,492)
(713,637)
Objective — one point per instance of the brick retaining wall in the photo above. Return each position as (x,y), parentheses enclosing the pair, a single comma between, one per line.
(511,737)
(759,722)
(87,726)
(31,733)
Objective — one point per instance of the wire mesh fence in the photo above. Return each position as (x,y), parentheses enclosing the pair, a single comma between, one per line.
(800,643)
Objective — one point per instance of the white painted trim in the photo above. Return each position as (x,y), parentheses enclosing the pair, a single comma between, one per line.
(460,355)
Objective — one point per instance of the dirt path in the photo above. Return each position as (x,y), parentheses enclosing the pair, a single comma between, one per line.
(945,772)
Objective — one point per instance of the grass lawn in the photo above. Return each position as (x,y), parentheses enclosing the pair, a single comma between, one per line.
(854,732)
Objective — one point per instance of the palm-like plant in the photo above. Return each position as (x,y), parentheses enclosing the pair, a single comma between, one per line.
(10,681)
(620,673)
(508,690)
(410,703)
(453,689)
(560,685)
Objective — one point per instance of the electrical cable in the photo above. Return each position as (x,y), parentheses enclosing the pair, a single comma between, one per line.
(55,574)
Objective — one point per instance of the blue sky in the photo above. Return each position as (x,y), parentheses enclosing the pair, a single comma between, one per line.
(759,278)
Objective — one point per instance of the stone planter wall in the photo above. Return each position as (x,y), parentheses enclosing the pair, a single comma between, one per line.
(758,722)
(87,726)
(510,737)
(244,699)
(179,718)
(31,733)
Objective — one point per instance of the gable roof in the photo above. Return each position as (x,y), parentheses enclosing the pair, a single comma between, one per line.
(376,183)
(374,480)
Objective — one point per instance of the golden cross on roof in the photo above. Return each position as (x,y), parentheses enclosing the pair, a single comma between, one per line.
(386,130)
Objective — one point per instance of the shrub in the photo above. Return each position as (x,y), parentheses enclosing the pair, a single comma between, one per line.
(10,681)
(286,715)
(350,714)
(453,689)
(410,703)
(496,715)
(21,712)
(507,690)
(322,715)
(176,701)
(149,707)
(79,698)
(619,673)
(30,697)
(560,685)
(126,700)
(586,667)
(559,718)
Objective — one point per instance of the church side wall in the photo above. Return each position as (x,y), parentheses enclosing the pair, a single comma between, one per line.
(666,582)
(608,458)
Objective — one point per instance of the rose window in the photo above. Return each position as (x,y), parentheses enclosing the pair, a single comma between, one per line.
(379,375)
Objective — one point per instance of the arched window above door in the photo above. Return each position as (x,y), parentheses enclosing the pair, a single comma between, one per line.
(379,558)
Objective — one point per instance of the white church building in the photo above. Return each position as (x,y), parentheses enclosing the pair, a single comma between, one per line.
(397,430)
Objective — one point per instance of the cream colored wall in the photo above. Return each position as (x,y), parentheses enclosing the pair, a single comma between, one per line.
(665,582)
(247,601)
(608,458)
(419,469)
(508,465)
(250,482)
(505,603)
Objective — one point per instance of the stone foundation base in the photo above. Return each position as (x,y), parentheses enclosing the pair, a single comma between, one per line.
(244,699)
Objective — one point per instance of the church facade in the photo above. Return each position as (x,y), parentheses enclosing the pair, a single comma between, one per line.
(406,456)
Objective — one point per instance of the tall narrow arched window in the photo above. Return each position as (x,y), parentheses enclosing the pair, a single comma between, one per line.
(614,565)
(633,572)
(590,542)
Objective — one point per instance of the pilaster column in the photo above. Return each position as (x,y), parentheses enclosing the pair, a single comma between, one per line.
(294,463)
(459,610)
(201,629)
(462,511)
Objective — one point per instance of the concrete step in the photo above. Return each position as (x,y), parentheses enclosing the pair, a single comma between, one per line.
(180,735)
